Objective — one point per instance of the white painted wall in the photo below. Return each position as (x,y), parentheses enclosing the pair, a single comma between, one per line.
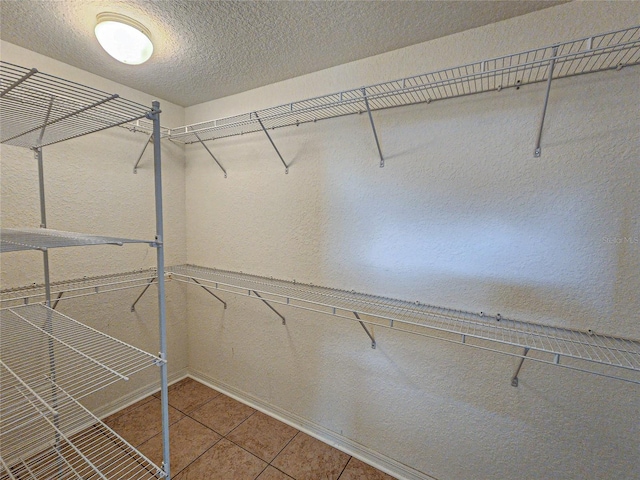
(90,187)
(462,216)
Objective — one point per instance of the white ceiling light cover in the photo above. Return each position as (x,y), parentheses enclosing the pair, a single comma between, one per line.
(125,39)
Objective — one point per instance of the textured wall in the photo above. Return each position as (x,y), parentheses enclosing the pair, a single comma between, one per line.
(90,187)
(462,216)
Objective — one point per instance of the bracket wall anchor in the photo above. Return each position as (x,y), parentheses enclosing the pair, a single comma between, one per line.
(268,305)
(133,305)
(146,144)
(212,155)
(373,340)
(210,292)
(514,379)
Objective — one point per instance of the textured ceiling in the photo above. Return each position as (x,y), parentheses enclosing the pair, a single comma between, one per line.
(210,49)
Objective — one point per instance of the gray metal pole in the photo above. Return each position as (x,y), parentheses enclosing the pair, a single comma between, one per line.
(43,224)
(162,314)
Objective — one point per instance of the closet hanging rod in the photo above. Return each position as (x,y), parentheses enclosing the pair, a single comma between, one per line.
(611,50)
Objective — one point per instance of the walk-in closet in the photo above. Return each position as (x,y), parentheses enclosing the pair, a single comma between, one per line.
(320,240)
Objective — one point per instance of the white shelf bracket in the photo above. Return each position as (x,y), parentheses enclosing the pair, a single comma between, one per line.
(135,167)
(268,305)
(212,155)
(286,167)
(552,65)
(514,379)
(373,125)
(133,305)
(210,292)
(373,340)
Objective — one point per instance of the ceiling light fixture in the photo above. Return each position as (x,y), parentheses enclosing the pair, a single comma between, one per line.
(124,38)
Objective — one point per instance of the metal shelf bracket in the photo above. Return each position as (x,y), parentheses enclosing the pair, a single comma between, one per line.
(514,379)
(286,167)
(135,167)
(373,340)
(209,292)
(133,306)
(268,305)
(552,65)
(373,126)
(212,155)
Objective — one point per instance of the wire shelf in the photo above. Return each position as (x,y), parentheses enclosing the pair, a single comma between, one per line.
(36,342)
(14,240)
(427,320)
(40,109)
(46,434)
(612,50)
(79,287)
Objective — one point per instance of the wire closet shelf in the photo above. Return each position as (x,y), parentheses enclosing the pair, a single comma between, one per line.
(40,109)
(493,333)
(79,287)
(612,50)
(45,433)
(15,240)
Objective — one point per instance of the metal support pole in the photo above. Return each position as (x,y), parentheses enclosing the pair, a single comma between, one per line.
(212,155)
(43,224)
(154,115)
(269,305)
(373,340)
(552,65)
(146,287)
(514,379)
(210,292)
(286,167)
(373,126)
(135,167)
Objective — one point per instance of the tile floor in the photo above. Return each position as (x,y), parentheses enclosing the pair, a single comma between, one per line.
(214,437)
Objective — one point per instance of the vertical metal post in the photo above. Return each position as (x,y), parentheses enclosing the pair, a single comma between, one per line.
(162,314)
(373,126)
(43,224)
(552,64)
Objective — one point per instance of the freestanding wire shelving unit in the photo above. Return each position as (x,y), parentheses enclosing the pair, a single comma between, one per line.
(49,361)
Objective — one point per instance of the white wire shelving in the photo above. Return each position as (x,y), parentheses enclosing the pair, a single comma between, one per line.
(608,51)
(45,433)
(40,109)
(86,360)
(80,287)
(578,350)
(15,240)
(49,359)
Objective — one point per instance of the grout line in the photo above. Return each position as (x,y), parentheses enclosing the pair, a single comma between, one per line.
(345,467)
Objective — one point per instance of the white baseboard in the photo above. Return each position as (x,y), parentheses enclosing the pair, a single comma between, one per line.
(136,396)
(371,457)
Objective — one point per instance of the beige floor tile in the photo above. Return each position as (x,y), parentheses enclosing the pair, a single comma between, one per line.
(306,458)
(262,435)
(128,409)
(222,414)
(273,474)
(357,470)
(223,461)
(187,395)
(144,422)
(188,440)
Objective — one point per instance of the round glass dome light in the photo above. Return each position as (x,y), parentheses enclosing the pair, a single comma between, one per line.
(125,39)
